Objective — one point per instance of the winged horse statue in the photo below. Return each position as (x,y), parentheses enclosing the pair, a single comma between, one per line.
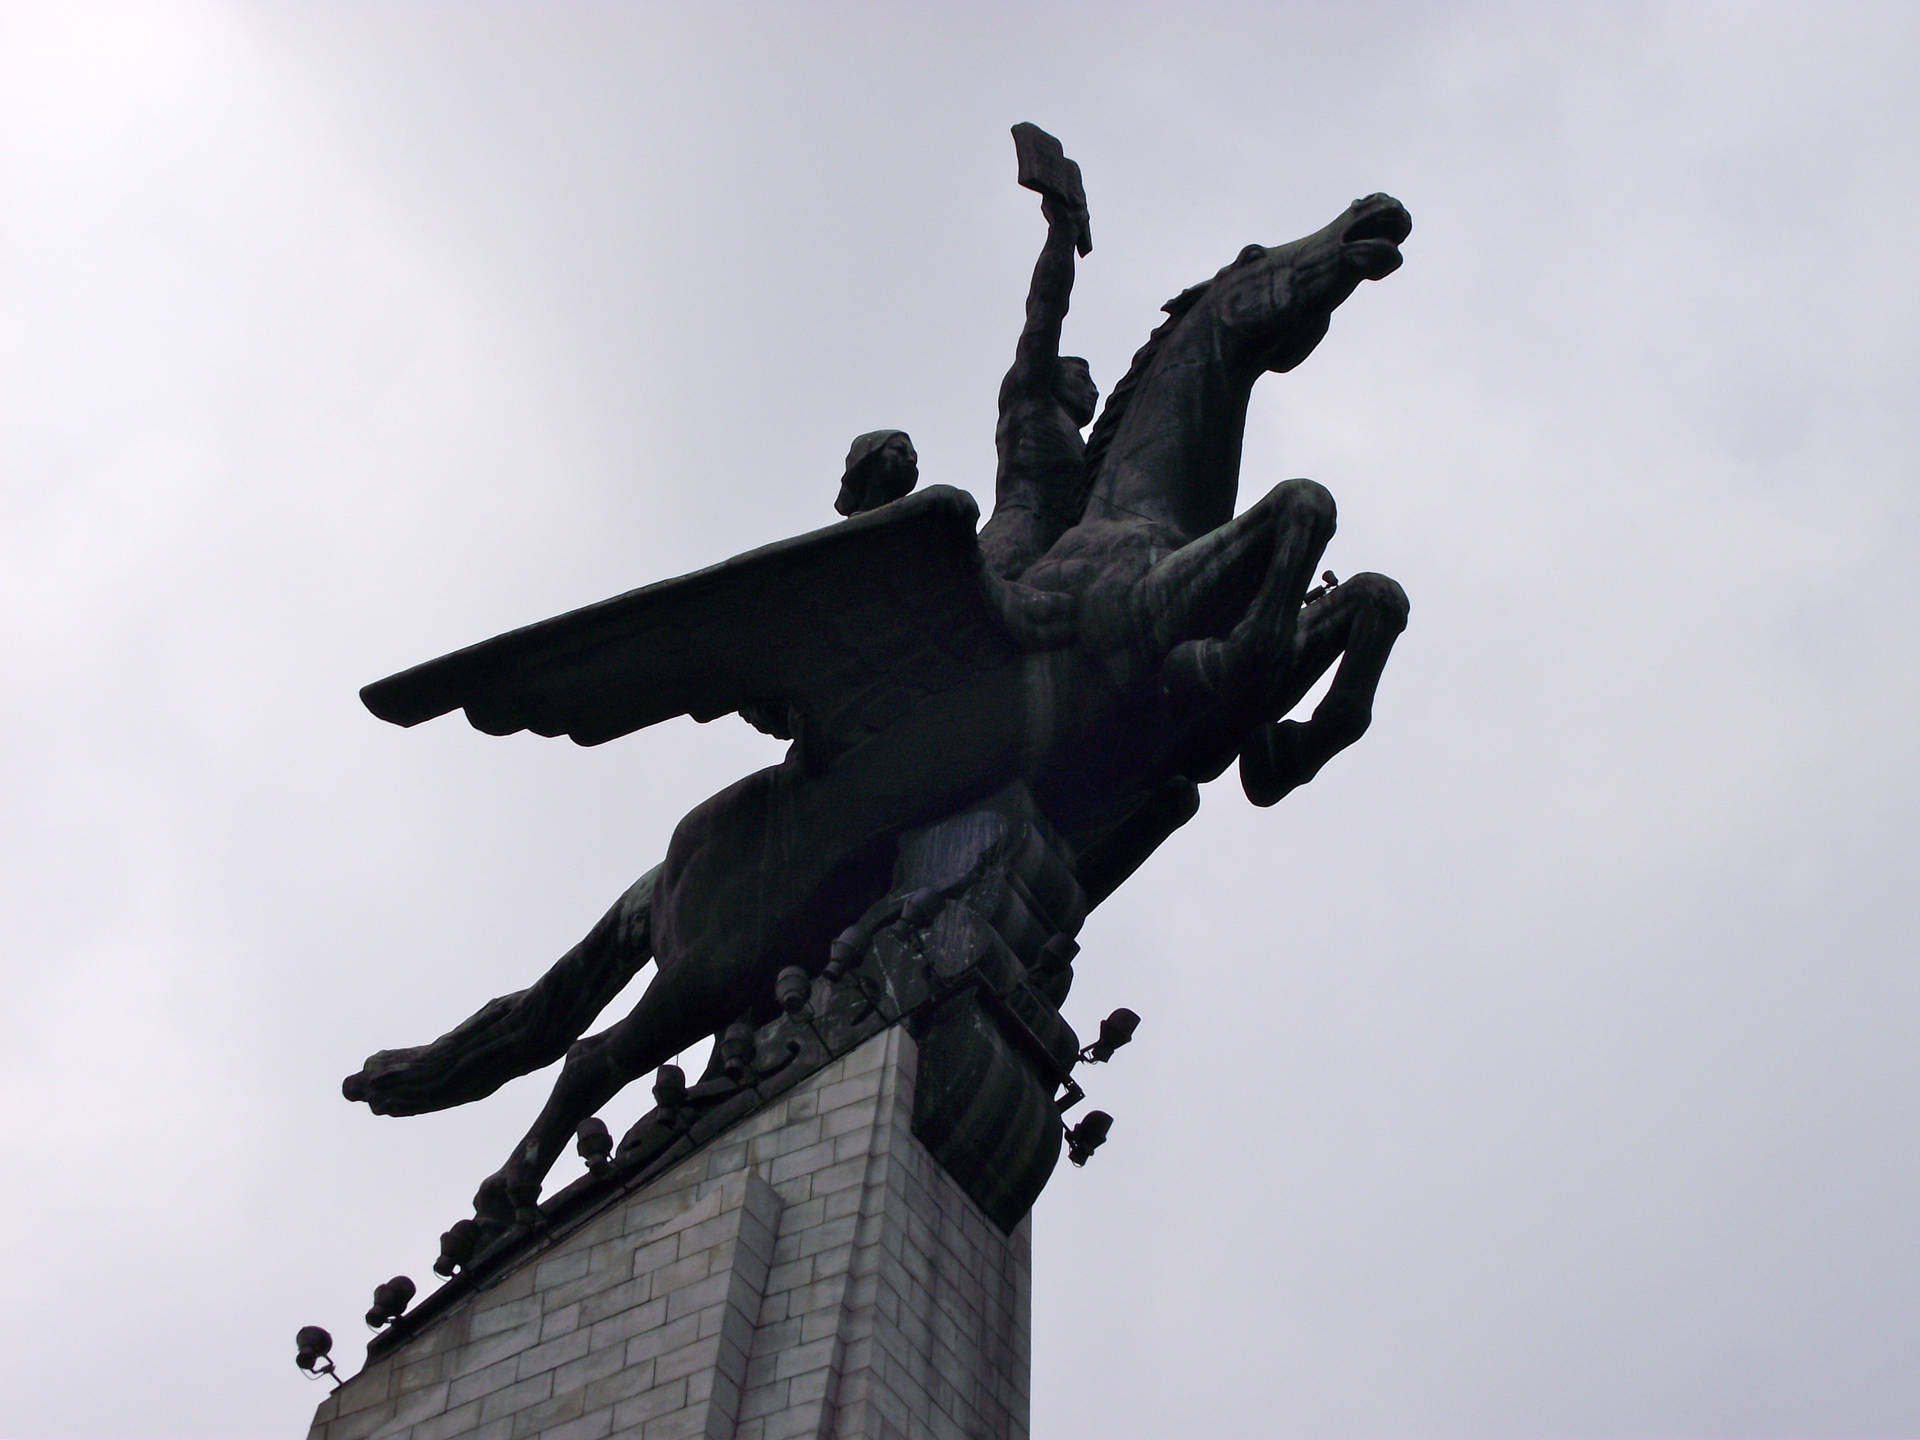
(1160,638)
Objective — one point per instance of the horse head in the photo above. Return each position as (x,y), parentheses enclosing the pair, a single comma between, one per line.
(1167,447)
(1274,302)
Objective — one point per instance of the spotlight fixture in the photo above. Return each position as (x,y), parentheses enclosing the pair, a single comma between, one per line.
(919,908)
(595,1143)
(457,1244)
(670,1087)
(792,988)
(1116,1030)
(842,956)
(736,1051)
(315,1347)
(1088,1136)
(390,1301)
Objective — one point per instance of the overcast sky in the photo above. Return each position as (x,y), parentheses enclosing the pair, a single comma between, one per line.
(1547,1068)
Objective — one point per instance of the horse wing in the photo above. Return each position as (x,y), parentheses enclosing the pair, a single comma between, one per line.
(848,628)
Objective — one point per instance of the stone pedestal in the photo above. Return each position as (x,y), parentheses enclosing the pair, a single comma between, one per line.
(812,1271)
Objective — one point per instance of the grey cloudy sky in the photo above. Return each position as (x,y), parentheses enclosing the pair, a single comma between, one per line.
(1547,1068)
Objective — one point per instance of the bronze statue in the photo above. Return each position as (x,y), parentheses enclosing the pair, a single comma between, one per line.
(1125,637)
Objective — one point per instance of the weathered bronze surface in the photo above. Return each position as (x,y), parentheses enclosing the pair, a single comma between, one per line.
(990,730)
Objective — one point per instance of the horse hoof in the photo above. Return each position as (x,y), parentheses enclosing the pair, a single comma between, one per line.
(1276,764)
(492,1205)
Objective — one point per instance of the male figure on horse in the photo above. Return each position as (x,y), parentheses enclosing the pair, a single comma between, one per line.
(1047,398)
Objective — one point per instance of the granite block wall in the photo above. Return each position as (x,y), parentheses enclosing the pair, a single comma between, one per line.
(811,1273)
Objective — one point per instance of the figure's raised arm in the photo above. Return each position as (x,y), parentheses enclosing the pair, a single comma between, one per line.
(1045,168)
(1047,299)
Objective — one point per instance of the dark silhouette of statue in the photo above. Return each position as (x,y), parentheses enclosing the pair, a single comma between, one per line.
(1121,638)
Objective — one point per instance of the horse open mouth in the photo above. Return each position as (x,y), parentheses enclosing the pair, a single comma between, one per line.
(1372,241)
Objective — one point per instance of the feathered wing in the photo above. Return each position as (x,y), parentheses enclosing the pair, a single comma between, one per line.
(848,628)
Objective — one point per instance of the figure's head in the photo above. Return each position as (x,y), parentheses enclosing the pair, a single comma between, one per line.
(1279,299)
(1074,386)
(881,467)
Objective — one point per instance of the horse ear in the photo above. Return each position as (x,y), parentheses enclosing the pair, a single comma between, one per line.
(1252,252)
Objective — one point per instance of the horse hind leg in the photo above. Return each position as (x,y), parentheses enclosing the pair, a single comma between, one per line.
(1356,625)
(519,1033)
(677,1010)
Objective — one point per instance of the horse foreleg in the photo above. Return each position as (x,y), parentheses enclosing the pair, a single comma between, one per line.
(1356,625)
(1222,609)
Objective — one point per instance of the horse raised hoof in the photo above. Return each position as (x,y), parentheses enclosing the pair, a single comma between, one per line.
(1284,756)
(403,1082)
(1276,763)
(470,1061)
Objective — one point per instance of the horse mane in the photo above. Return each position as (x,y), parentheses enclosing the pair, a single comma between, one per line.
(1100,438)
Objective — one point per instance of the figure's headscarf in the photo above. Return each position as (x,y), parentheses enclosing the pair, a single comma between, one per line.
(860,455)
